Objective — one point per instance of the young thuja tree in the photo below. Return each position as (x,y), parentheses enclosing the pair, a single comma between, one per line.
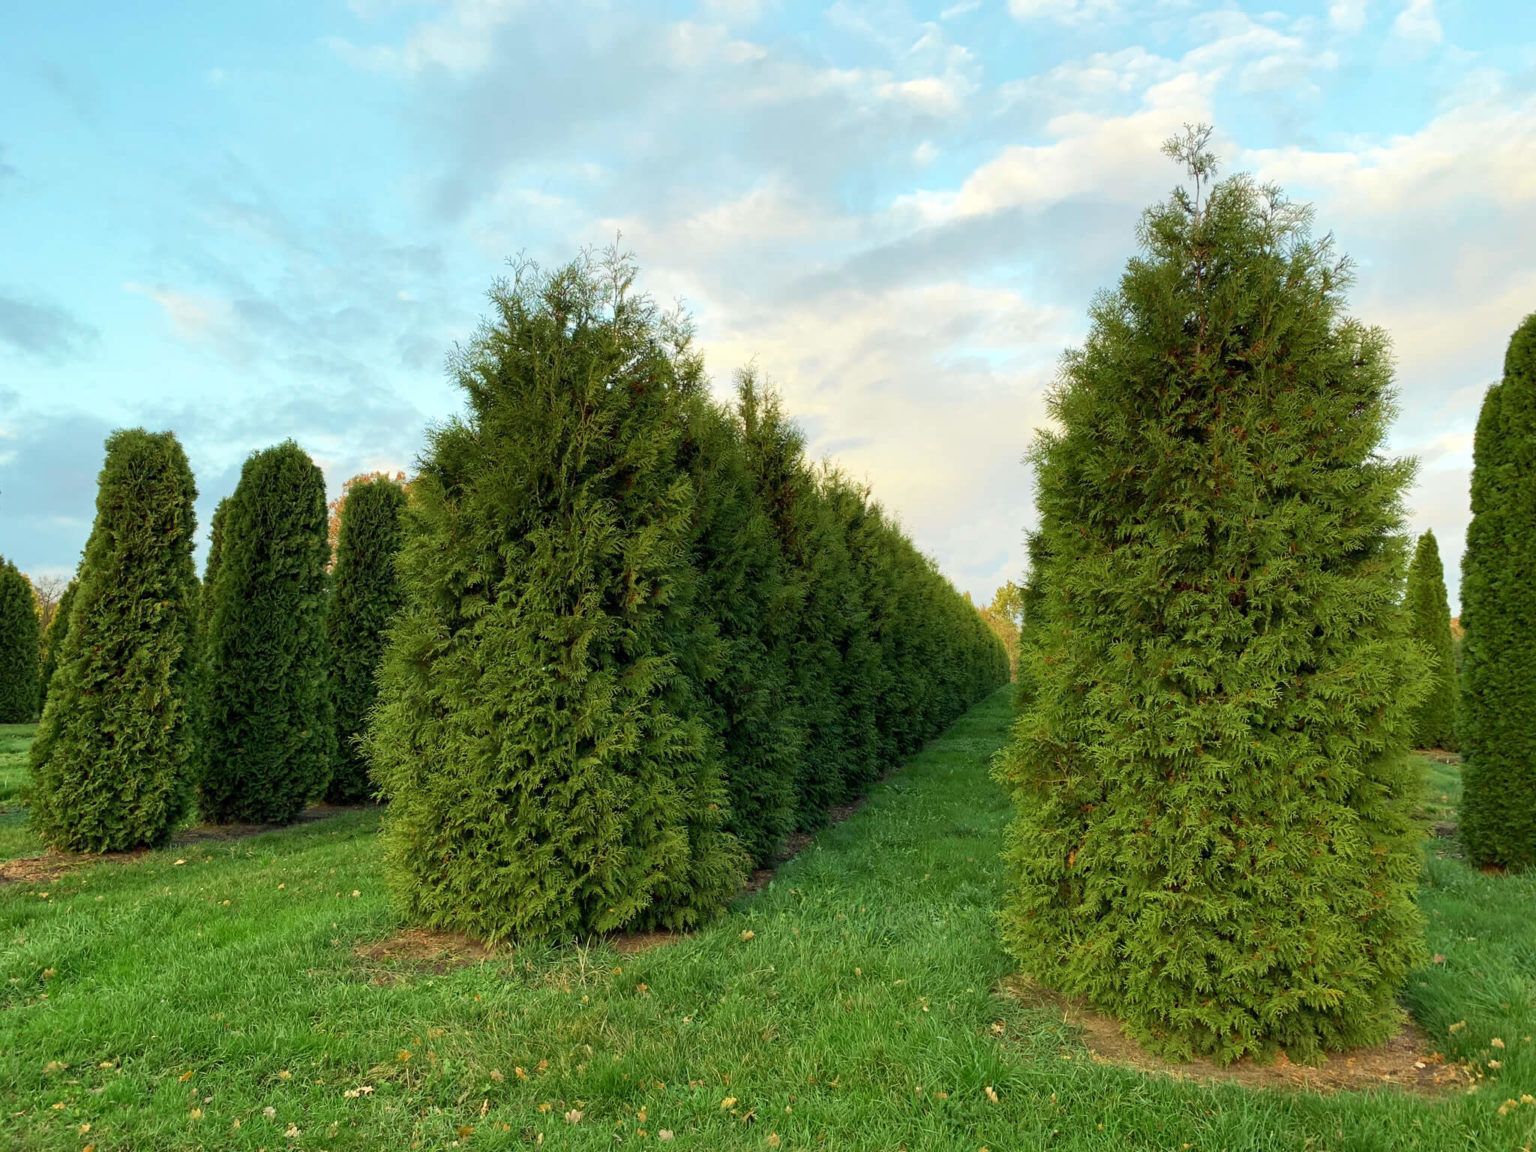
(1498,612)
(271,742)
(18,647)
(58,632)
(549,767)
(1434,723)
(1216,836)
(115,752)
(365,595)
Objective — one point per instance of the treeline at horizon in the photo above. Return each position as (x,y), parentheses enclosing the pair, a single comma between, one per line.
(609,648)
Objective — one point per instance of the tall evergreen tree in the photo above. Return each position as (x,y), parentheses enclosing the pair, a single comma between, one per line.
(1498,612)
(58,632)
(1216,835)
(112,763)
(547,762)
(739,657)
(364,598)
(211,565)
(18,647)
(271,739)
(1434,723)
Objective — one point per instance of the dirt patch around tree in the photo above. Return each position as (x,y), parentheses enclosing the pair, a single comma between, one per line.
(52,864)
(418,951)
(1408,1061)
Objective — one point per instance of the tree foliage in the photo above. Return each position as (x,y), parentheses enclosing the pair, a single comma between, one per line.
(1216,835)
(1498,612)
(19,647)
(114,754)
(57,634)
(271,741)
(1434,722)
(642,637)
(547,768)
(365,595)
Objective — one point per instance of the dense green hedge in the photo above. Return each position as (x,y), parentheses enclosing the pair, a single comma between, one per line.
(113,760)
(270,738)
(1498,612)
(365,594)
(19,647)
(639,642)
(1216,836)
(1434,722)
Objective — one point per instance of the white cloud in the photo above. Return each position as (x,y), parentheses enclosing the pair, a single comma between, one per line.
(1419,22)
(1063,11)
(1348,15)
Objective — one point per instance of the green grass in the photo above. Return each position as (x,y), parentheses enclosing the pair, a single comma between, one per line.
(14,741)
(165,1000)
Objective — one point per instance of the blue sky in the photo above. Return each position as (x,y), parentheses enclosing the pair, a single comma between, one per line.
(247,222)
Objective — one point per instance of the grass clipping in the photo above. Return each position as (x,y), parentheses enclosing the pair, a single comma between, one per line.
(1407,1061)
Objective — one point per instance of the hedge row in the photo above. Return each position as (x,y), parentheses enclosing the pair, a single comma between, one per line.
(642,638)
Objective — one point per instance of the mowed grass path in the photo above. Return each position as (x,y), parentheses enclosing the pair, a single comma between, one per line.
(212,996)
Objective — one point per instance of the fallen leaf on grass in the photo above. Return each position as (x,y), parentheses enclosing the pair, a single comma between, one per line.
(749,935)
(992,1094)
(1495,1043)
(728,1102)
(664,1134)
(574,1116)
(1456,1027)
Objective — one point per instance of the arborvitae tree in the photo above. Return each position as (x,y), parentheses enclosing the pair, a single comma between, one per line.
(1216,836)
(1498,612)
(18,647)
(113,758)
(53,642)
(739,658)
(211,565)
(364,598)
(1434,723)
(548,765)
(271,741)
(787,489)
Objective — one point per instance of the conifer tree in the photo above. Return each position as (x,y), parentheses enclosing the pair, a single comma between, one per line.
(811,552)
(738,657)
(548,764)
(1216,836)
(364,598)
(1498,612)
(112,762)
(211,565)
(1434,724)
(53,642)
(271,741)
(18,647)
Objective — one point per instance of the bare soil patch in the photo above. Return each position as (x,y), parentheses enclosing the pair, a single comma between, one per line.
(1408,1061)
(421,950)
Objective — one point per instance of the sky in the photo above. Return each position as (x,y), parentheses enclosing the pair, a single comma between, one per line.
(247,222)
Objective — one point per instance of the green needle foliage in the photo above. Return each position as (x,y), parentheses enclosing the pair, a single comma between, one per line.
(271,741)
(114,755)
(365,595)
(1434,724)
(1498,611)
(739,662)
(1216,836)
(545,755)
(19,647)
(58,632)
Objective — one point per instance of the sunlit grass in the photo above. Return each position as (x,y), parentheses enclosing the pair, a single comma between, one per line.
(212,996)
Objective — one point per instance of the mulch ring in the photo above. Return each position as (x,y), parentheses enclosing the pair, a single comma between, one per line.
(51,864)
(1407,1061)
(420,951)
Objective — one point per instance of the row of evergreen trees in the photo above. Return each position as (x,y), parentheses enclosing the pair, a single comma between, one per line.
(643,639)
(19,647)
(243,691)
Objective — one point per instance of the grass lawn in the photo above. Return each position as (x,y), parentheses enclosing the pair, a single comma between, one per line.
(15,839)
(213,995)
